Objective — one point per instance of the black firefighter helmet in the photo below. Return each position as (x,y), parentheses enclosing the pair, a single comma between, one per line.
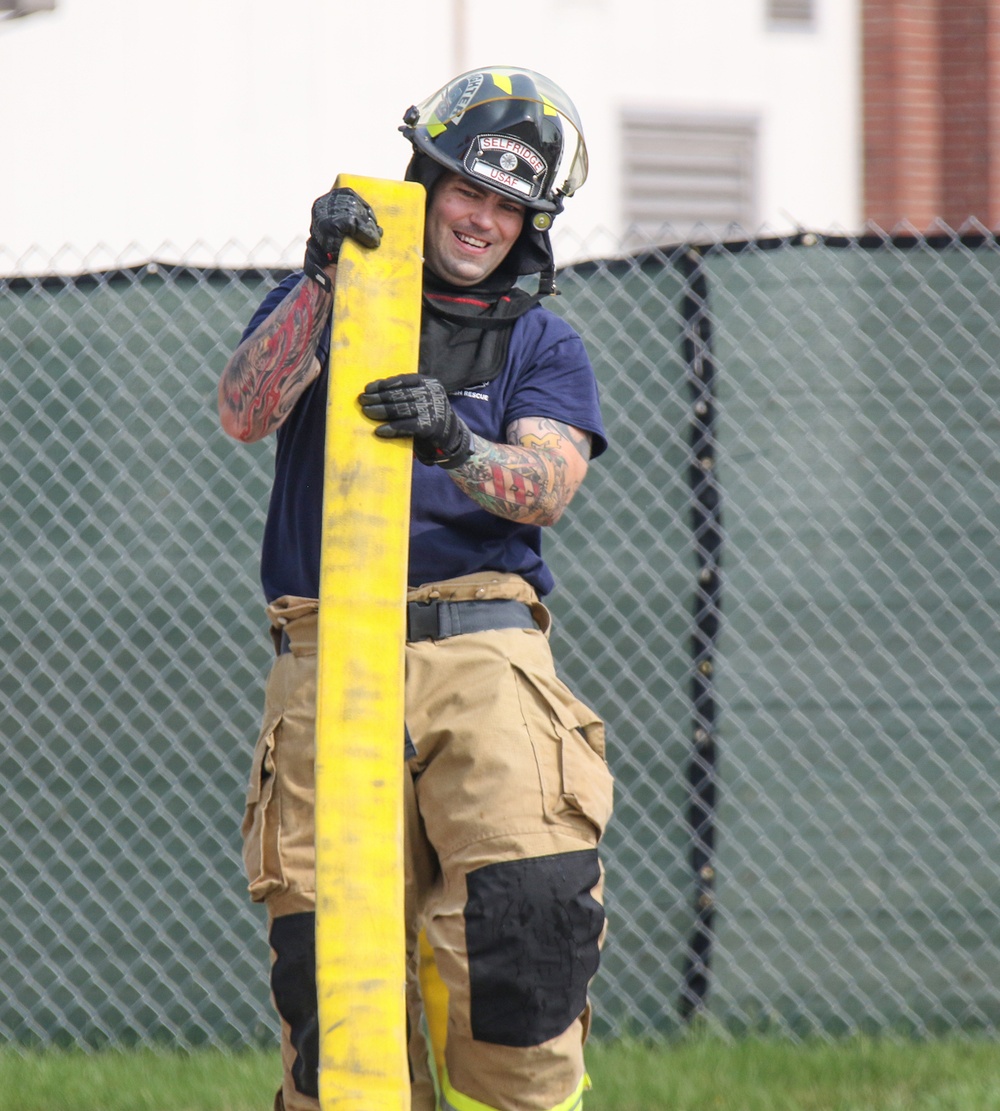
(509,130)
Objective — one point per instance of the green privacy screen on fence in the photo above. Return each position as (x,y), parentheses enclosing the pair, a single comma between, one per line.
(812,847)
(859,399)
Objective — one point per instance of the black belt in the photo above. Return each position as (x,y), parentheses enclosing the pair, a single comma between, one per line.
(437,620)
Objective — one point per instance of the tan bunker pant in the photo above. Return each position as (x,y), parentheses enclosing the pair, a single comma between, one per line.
(507,794)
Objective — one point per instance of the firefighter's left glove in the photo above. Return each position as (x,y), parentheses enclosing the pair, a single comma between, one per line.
(418,406)
(337,215)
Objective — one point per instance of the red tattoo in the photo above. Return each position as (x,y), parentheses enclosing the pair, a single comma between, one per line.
(268,373)
(510,486)
(518,488)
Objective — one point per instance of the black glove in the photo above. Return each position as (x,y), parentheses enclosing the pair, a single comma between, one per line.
(418,406)
(335,216)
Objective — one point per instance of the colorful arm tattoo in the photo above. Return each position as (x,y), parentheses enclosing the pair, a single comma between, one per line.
(531,478)
(271,368)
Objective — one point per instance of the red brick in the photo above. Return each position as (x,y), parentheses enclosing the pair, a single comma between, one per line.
(931,110)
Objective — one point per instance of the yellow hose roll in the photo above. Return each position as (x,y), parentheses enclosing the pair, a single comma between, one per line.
(360,959)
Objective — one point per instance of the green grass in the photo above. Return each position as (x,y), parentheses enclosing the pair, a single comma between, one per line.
(145,1080)
(695,1074)
(708,1074)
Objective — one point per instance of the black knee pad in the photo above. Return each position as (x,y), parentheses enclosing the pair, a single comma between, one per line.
(293,983)
(532,929)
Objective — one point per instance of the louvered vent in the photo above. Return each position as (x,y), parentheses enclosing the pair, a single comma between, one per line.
(682,173)
(791,11)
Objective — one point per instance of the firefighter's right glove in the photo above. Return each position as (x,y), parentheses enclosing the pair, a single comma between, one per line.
(335,216)
(418,406)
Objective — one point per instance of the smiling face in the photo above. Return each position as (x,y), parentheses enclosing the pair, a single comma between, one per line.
(469,230)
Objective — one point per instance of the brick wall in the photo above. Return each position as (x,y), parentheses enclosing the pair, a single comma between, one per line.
(931,102)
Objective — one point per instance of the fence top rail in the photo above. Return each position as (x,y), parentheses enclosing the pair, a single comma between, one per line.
(872,238)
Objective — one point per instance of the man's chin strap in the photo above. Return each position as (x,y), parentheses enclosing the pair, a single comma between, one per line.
(547,282)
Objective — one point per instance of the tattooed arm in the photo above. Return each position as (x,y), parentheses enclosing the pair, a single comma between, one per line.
(272,367)
(532,477)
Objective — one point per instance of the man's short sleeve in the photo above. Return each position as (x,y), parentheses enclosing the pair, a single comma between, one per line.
(556,379)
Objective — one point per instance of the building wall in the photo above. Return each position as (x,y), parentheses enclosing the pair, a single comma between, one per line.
(931,112)
(205,124)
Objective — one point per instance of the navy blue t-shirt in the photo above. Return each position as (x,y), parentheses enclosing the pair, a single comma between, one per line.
(547,374)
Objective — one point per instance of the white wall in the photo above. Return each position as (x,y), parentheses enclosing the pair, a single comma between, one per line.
(131,125)
(712,56)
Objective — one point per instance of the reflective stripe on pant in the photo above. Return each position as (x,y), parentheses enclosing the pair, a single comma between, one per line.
(452,1100)
(510,794)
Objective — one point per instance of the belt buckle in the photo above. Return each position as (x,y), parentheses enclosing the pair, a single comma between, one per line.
(422,621)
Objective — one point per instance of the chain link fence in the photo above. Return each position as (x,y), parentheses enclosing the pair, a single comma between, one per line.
(779,587)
